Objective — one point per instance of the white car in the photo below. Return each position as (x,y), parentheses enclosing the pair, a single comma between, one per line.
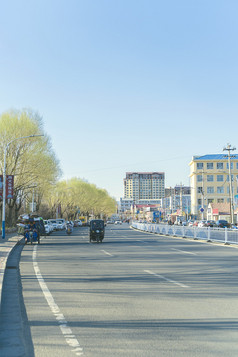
(48,228)
(202,224)
(54,224)
(61,223)
(118,222)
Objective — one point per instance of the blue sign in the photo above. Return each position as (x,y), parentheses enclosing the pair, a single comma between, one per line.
(201,209)
(156,215)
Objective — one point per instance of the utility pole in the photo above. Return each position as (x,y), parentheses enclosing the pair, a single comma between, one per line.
(181,198)
(229,156)
(203,195)
(33,201)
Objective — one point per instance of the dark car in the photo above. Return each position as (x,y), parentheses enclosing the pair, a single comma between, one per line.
(222,223)
(210,223)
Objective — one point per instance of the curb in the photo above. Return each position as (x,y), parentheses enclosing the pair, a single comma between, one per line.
(6,248)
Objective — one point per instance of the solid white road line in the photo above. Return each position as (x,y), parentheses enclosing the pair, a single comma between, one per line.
(183,251)
(63,324)
(169,280)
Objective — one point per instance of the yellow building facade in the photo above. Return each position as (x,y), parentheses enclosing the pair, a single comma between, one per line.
(210,182)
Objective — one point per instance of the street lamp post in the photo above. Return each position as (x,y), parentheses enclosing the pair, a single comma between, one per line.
(229,149)
(4,181)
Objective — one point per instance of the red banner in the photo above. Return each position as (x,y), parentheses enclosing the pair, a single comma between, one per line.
(9,186)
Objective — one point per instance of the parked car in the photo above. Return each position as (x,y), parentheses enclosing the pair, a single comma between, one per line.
(48,228)
(118,222)
(61,223)
(49,224)
(78,223)
(222,223)
(202,223)
(54,224)
(211,223)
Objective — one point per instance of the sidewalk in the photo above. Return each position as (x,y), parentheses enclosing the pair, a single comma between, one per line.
(6,245)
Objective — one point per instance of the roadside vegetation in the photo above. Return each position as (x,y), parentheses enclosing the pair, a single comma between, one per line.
(37,171)
(76,196)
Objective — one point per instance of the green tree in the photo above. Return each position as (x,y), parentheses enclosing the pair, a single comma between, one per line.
(77,194)
(31,161)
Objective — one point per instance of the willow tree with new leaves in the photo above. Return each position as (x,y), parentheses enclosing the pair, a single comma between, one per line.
(76,195)
(31,160)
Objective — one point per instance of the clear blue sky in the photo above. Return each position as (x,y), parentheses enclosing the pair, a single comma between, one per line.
(124,85)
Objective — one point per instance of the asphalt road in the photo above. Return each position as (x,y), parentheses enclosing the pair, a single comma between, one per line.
(134,295)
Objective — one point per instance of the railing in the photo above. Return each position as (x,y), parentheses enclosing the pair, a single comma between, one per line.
(213,234)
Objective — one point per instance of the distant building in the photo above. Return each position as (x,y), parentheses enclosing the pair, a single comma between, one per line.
(170,191)
(177,200)
(127,204)
(217,211)
(209,178)
(144,185)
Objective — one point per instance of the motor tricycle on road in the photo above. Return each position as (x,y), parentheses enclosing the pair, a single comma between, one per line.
(31,236)
(30,227)
(96,230)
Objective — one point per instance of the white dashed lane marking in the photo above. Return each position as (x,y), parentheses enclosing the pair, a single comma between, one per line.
(169,280)
(183,251)
(63,324)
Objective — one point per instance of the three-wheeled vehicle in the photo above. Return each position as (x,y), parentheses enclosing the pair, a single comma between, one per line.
(96,230)
(30,227)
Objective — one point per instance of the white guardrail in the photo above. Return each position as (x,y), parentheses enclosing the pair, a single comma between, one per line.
(222,235)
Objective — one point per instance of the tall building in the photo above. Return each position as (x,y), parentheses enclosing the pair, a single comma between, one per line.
(209,179)
(144,185)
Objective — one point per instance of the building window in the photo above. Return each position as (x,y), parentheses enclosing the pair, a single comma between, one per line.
(220,200)
(210,189)
(219,165)
(210,200)
(199,189)
(210,178)
(237,165)
(199,201)
(199,178)
(199,165)
(220,178)
(210,165)
(220,189)
(227,165)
